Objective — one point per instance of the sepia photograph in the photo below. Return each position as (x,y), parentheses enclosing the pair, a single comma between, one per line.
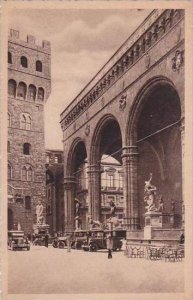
(96,147)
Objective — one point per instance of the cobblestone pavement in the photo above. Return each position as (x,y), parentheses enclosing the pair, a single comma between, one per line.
(50,270)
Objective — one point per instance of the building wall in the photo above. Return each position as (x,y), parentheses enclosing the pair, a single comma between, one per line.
(17,185)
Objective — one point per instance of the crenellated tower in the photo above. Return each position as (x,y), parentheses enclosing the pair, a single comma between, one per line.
(29,86)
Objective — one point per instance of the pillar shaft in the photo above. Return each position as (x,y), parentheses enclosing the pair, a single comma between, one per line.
(94,191)
(130,168)
(183,183)
(69,203)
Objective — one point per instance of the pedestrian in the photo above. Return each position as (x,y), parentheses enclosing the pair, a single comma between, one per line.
(68,241)
(109,244)
(46,240)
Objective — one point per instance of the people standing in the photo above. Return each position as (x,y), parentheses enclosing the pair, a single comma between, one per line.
(109,244)
(68,241)
(46,240)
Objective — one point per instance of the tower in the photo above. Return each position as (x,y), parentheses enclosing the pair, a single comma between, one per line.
(29,85)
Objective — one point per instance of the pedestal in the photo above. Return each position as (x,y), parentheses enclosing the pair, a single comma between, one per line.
(41,228)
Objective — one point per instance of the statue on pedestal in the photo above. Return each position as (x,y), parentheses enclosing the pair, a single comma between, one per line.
(39,213)
(77,213)
(112,207)
(149,195)
(161,204)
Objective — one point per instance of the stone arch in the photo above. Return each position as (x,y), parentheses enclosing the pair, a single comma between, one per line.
(140,101)
(104,122)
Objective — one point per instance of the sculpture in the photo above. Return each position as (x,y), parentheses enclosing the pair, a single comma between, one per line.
(112,207)
(149,195)
(161,204)
(172,205)
(39,213)
(94,224)
(77,213)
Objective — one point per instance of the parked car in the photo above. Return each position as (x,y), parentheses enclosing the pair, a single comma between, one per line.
(78,238)
(17,240)
(97,240)
(60,242)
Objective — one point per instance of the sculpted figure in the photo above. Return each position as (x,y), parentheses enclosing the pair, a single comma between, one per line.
(39,213)
(112,207)
(77,207)
(149,194)
(161,204)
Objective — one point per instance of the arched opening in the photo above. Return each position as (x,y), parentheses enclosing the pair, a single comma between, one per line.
(79,173)
(21,91)
(9,58)
(26,148)
(12,88)
(10,219)
(28,202)
(156,132)
(24,62)
(32,92)
(38,66)
(40,94)
(106,156)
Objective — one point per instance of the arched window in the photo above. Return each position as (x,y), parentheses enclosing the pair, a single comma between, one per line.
(31,92)
(38,66)
(9,58)
(21,91)
(25,121)
(24,62)
(8,146)
(27,173)
(9,169)
(27,202)
(26,148)
(24,173)
(12,88)
(41,94)
(9,119)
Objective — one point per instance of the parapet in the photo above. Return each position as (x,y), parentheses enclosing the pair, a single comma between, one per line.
(31,42)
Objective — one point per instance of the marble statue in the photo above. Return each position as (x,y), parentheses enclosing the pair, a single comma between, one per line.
(149,194)
(39,213)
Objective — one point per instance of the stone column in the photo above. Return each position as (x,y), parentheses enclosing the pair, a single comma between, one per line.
(183,179)
(130,166)
(94,191)
(69,203)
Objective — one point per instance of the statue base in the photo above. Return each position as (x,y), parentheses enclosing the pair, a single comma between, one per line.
(41,228)
(155,219)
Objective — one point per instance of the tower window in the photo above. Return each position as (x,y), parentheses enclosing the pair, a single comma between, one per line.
(31,92)
(24,62)
(38,66)
(8,146)
(28,202)
(12,88)
(27,173)
(9,175)
(41,94)
(9,58)
(26,148)
(25,121)
(9,119)
(21,91)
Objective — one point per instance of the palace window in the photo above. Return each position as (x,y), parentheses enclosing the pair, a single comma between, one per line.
(12,88)
(9,175)
(111,180)
(28,202)
(31,92)
(21,91)
(9,58)
(9,119)
(26,148)
(8,146)
(27,173)
(24,62)
(41,94)
(25,121)
(38,66)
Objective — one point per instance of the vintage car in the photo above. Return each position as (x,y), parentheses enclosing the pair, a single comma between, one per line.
(17,240)
(60,242)
(78,238)
(97,240)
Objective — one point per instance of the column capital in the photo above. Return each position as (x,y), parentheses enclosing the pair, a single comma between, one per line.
(94,168)
(70,180)
(130,151)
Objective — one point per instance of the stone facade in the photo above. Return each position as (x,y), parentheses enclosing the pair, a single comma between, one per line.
(29,86)
(133,110)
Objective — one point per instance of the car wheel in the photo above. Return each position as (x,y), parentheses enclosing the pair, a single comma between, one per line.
(61,245)
(93,247)
(55,245)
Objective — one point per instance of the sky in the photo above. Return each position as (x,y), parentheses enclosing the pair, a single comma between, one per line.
(82,41)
